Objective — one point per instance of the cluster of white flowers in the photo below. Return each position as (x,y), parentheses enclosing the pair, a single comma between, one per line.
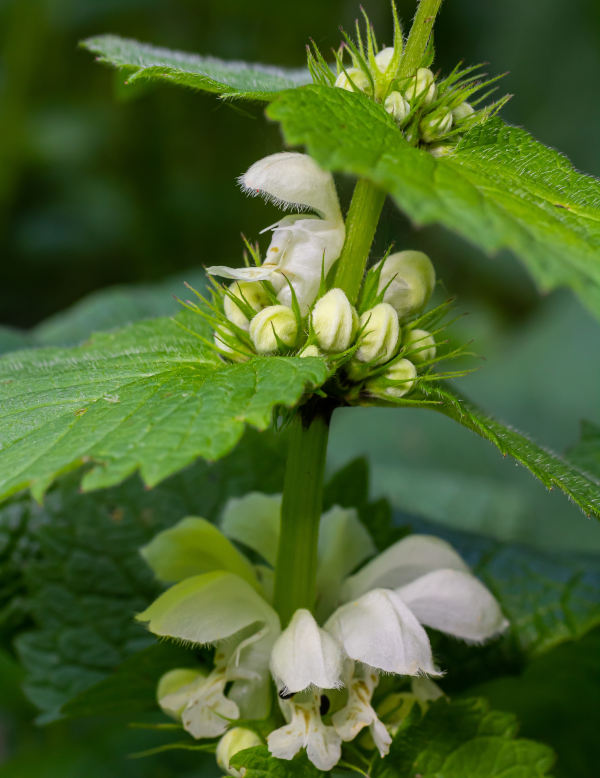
(324,666)
(284,306)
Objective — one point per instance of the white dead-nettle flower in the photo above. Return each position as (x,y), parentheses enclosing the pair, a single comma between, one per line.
(365,623)
(303,246)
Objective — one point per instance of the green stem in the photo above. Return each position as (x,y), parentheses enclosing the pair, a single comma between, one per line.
(420,32)
(361,223)
(296,568)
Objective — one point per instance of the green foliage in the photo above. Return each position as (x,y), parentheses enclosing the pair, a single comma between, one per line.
(500,189)
(234,79)
(260,764)
(76,563)
(586,453)
(151,397)
(549,468)
(463,738)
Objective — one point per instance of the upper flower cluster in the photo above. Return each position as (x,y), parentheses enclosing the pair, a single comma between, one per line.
(286,303)
(324,665)
(432,112)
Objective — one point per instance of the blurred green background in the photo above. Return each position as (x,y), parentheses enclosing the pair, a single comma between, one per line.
(98,188)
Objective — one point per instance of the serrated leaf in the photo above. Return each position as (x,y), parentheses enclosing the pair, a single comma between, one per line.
(549,468)
(150,397)
(463,738)
(500,189)
(259,763)
(82,577)
(234,79)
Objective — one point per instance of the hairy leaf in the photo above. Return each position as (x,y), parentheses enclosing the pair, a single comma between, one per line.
(549,468)
(463,738)
(150,397)
(259,763)
(500,189)
(234,79)
(77,564)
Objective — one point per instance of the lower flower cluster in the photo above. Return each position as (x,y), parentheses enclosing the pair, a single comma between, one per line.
(323,668)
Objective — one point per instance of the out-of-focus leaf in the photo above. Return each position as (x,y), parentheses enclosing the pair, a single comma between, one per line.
(234,79)
(586,453)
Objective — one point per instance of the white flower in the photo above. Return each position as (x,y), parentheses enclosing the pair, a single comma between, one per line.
(303,246)
(305,729)
(358,711)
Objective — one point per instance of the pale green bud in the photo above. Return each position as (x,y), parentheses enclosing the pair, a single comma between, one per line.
(310,351)
(422,87)
(384,58)
(275,319)
(440,150)
(172,702)
(222,337)
(334,321)
(397,106)
(251,292)
(408,278)
(435,125)
(420,344)
(359,79)
(463,111)
(236,739)
(401,370)
(380,334)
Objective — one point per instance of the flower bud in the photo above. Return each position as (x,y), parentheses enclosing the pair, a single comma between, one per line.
(383,59)
(408,278)
(422,87)
(462,111)
(397,106)
(440,150)
(359,79)
(310,351)
(401,370)
(236,739)
(275,321)
(380,334)
(251,293)
(172,687)
(334,321)
(420,345)
(436,125)
(223,337)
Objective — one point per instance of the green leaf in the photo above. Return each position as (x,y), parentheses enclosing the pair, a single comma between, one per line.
(555,699)
(463,738)
(586,453)
(150,397)
(500,189)
(549,468)
(191,547)
(76,562)
(260,764)
(234,79)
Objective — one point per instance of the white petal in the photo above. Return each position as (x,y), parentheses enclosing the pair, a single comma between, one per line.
(344,543)
(305,655)
(261,273)
(402,562)
(293,179)
(454,602)
(254,521)
(248,667)
(324,748)
(379,630)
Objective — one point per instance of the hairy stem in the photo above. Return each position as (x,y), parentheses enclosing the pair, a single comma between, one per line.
(296,568)
(420,32)
(361,223)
